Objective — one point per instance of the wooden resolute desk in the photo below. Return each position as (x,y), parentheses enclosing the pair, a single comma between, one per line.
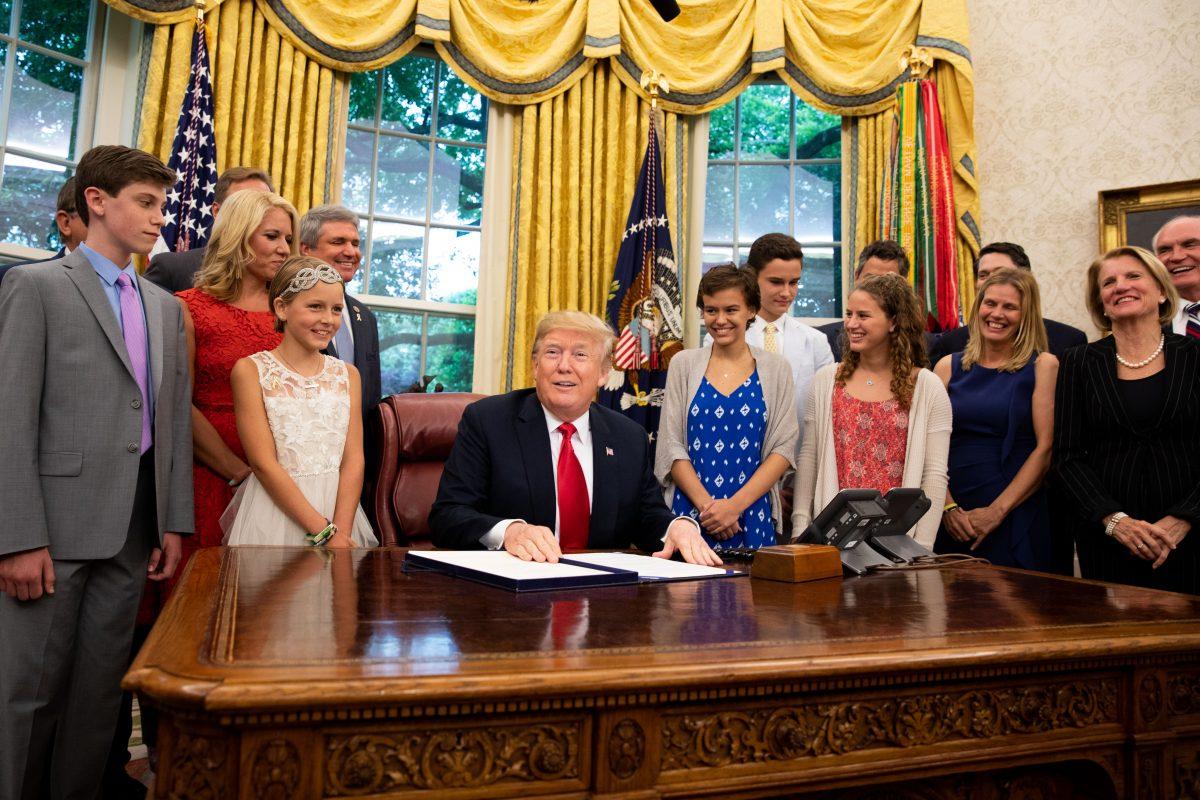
(293,674)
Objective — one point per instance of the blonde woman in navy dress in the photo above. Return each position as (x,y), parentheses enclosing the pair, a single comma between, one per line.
(728,427)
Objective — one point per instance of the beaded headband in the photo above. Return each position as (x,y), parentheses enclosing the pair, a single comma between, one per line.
(307,278)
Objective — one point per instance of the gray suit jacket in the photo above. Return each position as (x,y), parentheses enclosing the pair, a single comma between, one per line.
(71,413)
(174,271)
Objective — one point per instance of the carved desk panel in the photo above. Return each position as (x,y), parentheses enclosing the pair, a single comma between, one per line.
(294,673)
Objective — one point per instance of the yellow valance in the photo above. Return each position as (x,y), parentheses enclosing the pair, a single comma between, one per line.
(844,56)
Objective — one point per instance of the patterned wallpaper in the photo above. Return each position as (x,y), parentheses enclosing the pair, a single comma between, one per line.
(1072,97)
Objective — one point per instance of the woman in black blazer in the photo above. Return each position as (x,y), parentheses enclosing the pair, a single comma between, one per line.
(1127,430)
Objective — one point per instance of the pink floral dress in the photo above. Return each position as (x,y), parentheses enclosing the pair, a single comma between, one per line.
(870,441)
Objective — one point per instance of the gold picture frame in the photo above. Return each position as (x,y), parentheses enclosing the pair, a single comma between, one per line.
(1134,215)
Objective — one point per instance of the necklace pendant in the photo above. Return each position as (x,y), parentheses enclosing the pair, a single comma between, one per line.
(870,382)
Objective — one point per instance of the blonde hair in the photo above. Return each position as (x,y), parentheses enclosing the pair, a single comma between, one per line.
(1095,306)
(579,321)
(906,342)
(228,253)
(278,290)
(1031,333)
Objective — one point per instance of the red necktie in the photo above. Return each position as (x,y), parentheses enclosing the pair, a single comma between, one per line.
(574,508)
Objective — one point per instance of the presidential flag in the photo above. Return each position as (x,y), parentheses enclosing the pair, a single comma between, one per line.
(189,214)
(643,301)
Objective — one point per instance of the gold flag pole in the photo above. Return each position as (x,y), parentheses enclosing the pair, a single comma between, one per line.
(654,83)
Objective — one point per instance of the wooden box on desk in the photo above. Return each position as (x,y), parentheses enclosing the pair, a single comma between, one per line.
(795,563)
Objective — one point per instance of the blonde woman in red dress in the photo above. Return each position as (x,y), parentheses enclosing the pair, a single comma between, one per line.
(228,317)
(879,419)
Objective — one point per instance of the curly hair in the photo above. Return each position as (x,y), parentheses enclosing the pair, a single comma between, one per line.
(906,342)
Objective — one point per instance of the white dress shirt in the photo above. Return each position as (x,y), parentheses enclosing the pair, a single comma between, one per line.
(806,350)
(1179,323)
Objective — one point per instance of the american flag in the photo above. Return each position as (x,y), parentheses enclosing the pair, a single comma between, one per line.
(643,301)
(189,215)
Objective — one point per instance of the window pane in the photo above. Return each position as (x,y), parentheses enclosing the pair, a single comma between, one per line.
(357,174)
(715,255)
(45,104)
(28,195)
(766,119)
(408,95)
(818,135)
(450,352)
(5,17)
(402,177)
(818,202)
(58,25)
(720,131)
(396,260)
(762,201)
(399,348)
(462,111)
(718,203)
(458,184)
(364,92)
(820,284)
(453,265)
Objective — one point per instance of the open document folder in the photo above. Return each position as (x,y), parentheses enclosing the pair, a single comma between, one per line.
(578,570)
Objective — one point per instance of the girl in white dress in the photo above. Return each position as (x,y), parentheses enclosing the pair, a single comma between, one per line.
(299,419)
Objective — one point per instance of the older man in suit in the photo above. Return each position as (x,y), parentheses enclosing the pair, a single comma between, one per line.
(992,257)
(538,470)
(174,271)
(71,227)
(1177,245)
(330,233)
(96,481)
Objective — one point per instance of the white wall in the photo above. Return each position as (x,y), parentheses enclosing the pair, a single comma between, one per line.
(1073,97)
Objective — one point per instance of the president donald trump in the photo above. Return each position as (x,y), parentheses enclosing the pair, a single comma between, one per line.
(540,470)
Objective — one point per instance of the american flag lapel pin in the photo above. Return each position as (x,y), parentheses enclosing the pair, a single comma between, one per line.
(608,451)
(357,314)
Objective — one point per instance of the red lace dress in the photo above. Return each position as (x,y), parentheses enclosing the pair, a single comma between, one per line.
(870,441)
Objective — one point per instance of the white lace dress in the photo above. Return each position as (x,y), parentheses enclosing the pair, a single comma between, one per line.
(308,418)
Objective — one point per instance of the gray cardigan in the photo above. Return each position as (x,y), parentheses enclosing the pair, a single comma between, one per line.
(683,380)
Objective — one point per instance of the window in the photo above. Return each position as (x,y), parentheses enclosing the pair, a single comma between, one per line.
(46,78)
(774,165)
(415,153)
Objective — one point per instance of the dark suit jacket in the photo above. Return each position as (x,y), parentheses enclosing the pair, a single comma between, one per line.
(1062,338)
(174,271)
(833,332)
(365,331)
(500,468)
(1105,463)
(61,252)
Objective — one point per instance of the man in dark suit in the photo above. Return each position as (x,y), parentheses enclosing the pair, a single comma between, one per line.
(992,257)
(540,470)
(330,233)
(174,271)
(1177,245)
(883,257)
(71,228)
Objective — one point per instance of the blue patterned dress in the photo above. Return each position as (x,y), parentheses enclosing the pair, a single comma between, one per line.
(725,439)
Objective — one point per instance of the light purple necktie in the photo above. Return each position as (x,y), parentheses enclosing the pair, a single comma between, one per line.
(134,331)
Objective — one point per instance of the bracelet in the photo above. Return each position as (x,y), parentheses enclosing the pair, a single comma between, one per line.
(235,481)
(1111,527)
(322,536)
(946,509)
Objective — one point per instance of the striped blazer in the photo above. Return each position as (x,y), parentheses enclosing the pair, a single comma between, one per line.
(1106,463)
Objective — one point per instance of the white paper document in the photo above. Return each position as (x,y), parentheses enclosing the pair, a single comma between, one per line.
(648,566)
(504,565)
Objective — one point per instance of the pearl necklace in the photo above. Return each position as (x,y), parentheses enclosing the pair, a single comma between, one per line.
(1139,364)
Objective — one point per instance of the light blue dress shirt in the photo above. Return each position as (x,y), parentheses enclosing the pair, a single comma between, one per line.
(108,272)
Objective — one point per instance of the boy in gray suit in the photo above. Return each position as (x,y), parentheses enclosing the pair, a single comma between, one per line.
(96,479)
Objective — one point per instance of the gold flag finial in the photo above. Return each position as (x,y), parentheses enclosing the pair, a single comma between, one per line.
(199,9)
(655,83)
(918,61)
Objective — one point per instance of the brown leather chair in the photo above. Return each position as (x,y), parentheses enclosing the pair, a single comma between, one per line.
(412,434)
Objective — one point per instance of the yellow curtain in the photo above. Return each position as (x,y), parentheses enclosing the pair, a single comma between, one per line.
(575,160)
(275,108)
(866,142)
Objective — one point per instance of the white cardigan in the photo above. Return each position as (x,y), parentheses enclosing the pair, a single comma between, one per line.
(929,424)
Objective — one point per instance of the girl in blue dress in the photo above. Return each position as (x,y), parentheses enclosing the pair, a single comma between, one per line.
(1001,388)
(728,427)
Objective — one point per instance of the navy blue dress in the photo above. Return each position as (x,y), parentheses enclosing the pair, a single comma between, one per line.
(725,439)
(993,436)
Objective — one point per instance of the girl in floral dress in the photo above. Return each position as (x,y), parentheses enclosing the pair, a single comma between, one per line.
(878,419)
